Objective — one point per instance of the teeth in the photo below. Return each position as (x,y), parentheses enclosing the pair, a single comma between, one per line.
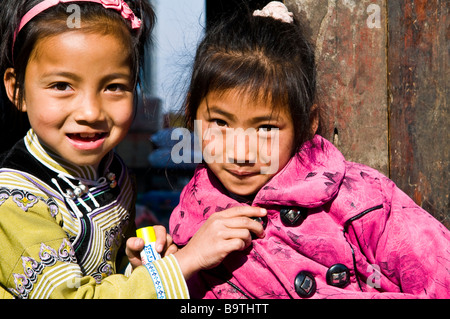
(87,135)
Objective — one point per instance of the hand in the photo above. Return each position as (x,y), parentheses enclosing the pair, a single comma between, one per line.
(164,246)
(224,232)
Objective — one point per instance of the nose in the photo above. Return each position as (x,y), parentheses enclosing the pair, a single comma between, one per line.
(89,109)
(242,148)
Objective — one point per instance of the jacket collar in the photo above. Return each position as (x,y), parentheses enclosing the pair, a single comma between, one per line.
(309,180)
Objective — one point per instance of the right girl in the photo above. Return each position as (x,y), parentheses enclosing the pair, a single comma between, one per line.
(334,229)
(66,199)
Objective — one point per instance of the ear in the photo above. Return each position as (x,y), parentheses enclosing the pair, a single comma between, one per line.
(9,80)
(314,119)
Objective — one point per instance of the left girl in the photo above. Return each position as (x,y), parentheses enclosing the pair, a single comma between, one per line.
(66,199)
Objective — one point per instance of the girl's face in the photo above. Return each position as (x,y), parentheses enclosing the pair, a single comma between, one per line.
(245,141)
(79,94)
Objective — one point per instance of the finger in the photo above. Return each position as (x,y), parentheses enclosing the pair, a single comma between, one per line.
(161,238)
(245,223)
(169,240)
(133,248)
(135,245)
(172,249)
(163,249)
(238,244)
(247,211)
(237,233)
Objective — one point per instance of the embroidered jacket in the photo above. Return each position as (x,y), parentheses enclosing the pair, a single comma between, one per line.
(335,229)
(63,230)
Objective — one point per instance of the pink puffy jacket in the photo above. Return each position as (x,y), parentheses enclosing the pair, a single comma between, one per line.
(335,229)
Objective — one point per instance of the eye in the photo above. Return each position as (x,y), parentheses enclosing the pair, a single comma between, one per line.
(61,86)
(220,123)
(117,87)
(267,128)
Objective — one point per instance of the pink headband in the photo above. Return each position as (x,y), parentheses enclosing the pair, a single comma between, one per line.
(118,5)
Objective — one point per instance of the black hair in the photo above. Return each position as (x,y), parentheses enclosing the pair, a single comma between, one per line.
(53,21)
(258,55)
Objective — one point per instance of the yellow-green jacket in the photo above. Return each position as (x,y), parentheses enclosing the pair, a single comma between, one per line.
(63,230)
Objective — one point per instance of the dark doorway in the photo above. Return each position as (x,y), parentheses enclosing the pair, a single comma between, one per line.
(220,9)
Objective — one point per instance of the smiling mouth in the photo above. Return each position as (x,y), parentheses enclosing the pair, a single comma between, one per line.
(242,174)
(86,137)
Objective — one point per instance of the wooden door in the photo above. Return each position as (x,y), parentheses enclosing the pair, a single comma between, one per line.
(418,91)
(383,69)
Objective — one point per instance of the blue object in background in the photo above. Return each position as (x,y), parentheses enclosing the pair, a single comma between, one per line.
(158,204)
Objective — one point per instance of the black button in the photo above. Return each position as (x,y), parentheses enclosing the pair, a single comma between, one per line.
(262,221)
(338,276)
(293,216)
(305,284)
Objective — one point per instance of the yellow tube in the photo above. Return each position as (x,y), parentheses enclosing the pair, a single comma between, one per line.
(149,253)
(147,234)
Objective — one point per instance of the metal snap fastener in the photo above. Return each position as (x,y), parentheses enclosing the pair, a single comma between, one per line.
(293,216)
(338,275)
(305,284)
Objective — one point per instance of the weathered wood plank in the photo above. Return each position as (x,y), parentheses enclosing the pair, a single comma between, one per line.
(371,86)
(351,60)
(419,114)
